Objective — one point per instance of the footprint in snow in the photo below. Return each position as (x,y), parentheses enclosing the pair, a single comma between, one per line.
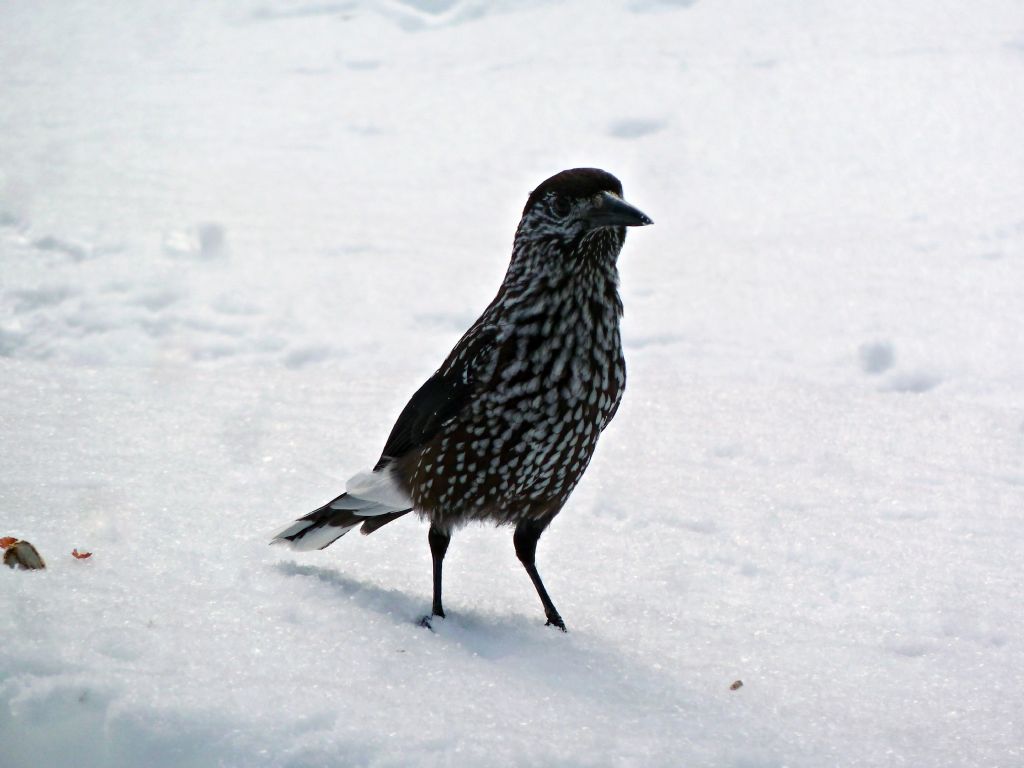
(635,128)
(76,251)
(31,299)
(307,355)
(647,6)
(433,7)
(288,10)
(203,242)
(876,357)
(915,382)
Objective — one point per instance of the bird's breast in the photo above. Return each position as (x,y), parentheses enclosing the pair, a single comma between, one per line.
(558,381)
(522,444)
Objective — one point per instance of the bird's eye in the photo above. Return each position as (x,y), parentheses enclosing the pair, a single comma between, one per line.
(560,207)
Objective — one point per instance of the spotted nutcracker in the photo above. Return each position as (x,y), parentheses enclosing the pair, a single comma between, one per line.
(505,428)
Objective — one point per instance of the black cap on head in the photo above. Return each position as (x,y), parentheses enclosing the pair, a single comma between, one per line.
(576,183)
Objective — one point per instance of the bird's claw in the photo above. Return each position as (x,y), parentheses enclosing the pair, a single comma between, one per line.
(428,620)
(556,621)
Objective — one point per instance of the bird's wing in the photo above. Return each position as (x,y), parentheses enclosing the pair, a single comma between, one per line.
(444,394)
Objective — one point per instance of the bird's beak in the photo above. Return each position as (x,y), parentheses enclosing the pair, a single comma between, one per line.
(611,211)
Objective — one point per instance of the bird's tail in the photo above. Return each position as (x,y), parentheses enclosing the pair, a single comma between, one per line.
(323,526)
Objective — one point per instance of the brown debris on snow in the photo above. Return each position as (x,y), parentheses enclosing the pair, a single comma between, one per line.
(21,554)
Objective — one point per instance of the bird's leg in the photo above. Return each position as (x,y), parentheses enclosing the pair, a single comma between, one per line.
(525,538)
(439,540)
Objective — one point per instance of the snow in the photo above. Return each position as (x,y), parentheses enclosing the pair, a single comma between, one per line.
(235,237)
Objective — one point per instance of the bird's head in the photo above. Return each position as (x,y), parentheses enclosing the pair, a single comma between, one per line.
(574,204)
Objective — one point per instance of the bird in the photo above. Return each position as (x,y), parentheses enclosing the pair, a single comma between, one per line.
(503,431)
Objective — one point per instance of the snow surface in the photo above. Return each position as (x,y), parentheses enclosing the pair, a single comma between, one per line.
(236,236)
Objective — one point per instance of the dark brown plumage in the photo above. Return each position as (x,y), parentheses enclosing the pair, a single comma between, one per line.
(505,428)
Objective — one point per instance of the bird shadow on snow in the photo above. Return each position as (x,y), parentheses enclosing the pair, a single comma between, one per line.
(387,602)
(583,661)
(480,633)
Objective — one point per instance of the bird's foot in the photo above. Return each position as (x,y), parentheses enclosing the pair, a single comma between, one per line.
(428,620)
(556,621)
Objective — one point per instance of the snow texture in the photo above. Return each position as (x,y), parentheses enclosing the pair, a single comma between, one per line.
(236,236)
